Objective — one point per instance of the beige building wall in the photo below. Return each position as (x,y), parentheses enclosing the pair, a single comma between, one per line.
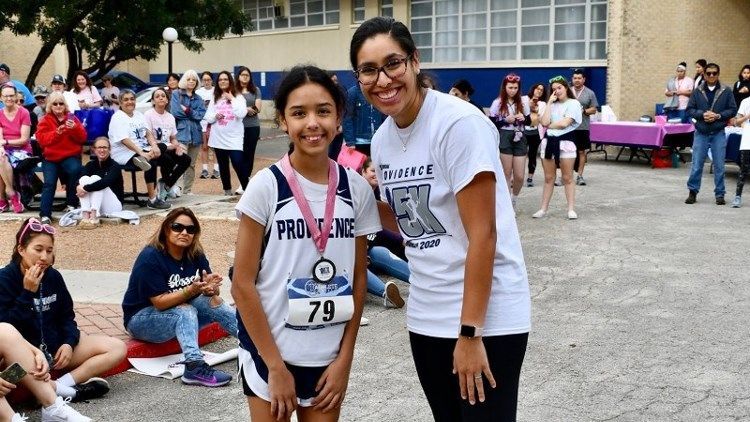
(648,38)
(19,53)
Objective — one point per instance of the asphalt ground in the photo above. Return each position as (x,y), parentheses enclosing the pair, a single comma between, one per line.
(639,310)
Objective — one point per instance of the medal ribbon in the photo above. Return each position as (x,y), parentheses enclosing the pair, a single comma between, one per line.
(319,235)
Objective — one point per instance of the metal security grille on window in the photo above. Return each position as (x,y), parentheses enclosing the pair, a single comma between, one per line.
(452,31)
(278,14)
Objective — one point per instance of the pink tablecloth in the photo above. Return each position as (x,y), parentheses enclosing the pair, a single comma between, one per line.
(648,135)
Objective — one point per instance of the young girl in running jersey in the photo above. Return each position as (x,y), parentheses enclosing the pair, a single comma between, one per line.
(299,280)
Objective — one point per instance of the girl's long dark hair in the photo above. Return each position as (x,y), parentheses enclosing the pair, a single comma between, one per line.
(250,84)
(232,86)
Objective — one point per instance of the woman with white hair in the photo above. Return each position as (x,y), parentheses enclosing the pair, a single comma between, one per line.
(188,109)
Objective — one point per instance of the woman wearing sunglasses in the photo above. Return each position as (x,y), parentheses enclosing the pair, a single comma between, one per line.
(437,166)
(35,300)
(510,113)
(561,117)
(172,292)
(61,136)
(15,129)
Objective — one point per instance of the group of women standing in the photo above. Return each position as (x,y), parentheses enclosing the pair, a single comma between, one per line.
(534,123)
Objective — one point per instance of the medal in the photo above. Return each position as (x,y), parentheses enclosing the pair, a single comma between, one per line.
(324,270)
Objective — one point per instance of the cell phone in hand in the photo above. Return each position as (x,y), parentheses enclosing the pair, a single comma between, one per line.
(13,374)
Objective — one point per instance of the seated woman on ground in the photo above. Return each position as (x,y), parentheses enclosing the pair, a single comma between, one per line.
(15,349)
(385,253)
(172,292)
(173,159)
(35,300)
(100,188)
(61,136)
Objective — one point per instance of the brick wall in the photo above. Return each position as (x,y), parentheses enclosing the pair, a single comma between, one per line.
(648,38)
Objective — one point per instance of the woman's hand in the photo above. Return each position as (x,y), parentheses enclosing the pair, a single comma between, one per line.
(80,191)
(469,364)
(282,392)
(552,98)
(62,357)
(41,369)
(743,90)
(332,385)
(509,119)
(69,124)
(5,388)
(219,116)
(32,277)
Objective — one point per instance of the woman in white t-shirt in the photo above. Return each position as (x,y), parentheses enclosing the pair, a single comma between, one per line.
(437,166)
(300,291)
(173,160)
(743,120)
(561,117)
(225,112)
(88,95)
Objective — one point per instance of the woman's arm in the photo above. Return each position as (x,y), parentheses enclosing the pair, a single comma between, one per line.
(561,124)
(168,300)
(210,114)
(247,300)
(239,106)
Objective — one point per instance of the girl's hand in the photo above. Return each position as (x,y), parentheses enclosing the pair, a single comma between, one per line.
(519,116)
(509,119)
(32,277)
(332,385)
(471,366)
(41,371)
(552,98)
(5,388)
(219,116)
(62,357)
(283,394)
(744,90)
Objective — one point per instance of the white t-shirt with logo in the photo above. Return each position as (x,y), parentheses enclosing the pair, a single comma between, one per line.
(206,94)
(228,132)
(122,127)
(162,126)
(745,111)
(560,110)
(448,144)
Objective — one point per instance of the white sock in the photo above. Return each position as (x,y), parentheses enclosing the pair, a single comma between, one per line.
(66,380)
(216,167)
(205,167)
(64,390)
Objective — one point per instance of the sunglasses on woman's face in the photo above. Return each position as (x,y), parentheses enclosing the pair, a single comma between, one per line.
(179,228)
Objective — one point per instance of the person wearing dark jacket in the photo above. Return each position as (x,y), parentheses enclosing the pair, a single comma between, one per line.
(35,300)
(710,106)
(361,120)
(100,188)
(741,88)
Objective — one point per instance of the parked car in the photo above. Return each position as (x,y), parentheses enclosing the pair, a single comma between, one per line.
(143,99)
(122,80)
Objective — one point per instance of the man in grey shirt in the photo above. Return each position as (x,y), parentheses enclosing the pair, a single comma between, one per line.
(587,98)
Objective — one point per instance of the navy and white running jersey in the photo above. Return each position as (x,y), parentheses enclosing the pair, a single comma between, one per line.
(307,318)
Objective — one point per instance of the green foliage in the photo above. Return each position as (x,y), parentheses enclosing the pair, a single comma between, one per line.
(112,31)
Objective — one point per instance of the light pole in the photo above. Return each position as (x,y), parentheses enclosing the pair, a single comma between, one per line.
(169,35)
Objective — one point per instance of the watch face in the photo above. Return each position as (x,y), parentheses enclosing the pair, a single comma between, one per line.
(468,331)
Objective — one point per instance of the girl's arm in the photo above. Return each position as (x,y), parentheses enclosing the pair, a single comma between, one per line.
(333,383)
(239,106)
(470,356)
(247,300)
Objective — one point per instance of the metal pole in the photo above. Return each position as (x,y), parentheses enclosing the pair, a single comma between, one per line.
(169,56)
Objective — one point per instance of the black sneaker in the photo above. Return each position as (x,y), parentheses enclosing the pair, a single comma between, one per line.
(158,204)
(91,389)
(720,200)
(691,197)
(204,174)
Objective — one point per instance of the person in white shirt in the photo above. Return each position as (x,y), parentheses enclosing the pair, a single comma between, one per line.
(225,112)
(206,92)
(437,165)
(87,94)
(58,84)
(110,94)
(743,115)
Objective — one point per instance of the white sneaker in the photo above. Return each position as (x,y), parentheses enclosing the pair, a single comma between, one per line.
(539,214)
(392,296)
(364,321)
(239,191)
(572,215)
(175,192)
(18,418)
(59,411)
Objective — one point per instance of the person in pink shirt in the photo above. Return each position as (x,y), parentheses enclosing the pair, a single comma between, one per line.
(678,92)
(15,129)
(88,95)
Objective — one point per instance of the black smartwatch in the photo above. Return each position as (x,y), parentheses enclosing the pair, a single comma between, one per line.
(470,331)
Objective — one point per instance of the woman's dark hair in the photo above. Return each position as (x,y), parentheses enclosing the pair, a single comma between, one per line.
(300,75)
(85,75)
(173,76)
(159,239)
(232,87)
(250,85)
(563,82)
(153,94)
(366,164)
(206,72)
(739,76)
(27,237)
(702,63)
(683,64)
(384,25)
(530,94)
(464,87)
(505,100)
(429,80)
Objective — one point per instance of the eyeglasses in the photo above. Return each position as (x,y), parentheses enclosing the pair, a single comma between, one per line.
(395,68)
(58,104)
(9,97)
(36,226)
(178,228)
(712,73)
(512,78)
(558,78)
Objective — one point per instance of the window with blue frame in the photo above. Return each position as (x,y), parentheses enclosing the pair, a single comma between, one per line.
(453,31)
